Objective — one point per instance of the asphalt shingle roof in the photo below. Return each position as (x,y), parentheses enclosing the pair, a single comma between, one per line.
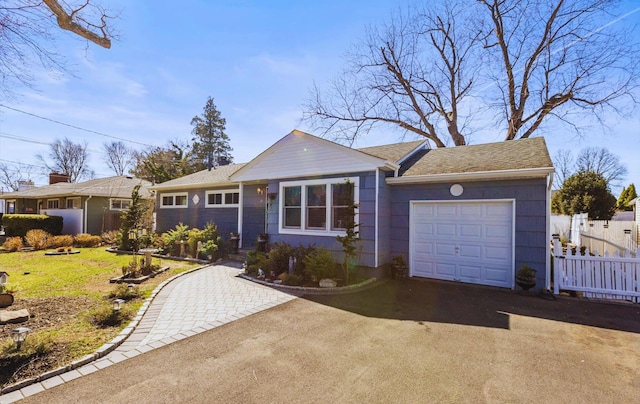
(216,175)
(392,152)
(507,155)
(111,187)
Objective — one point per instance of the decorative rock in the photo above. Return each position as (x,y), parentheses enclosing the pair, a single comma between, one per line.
(6,299)
(14,317)
(327,283)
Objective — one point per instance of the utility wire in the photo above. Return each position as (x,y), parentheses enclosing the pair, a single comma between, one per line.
(75,127)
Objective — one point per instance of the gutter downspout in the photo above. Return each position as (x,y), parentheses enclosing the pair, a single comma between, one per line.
(86,214)
(547,283)
(240,212)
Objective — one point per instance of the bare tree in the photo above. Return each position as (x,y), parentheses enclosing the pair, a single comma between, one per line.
(595,159)
(564,165)
(603,162)
(434,70)
(11,177)
(118,157)
(27,35)
(68,158)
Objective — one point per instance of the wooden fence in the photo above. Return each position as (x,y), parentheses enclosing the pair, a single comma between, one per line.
(605,277)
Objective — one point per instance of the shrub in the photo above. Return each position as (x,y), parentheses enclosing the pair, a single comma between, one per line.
(60,241)
(104,316)
(87,240)
(37,238)
(292,279)
(181,232)
(320,264)
(256,260)
(111,237)
(13,244)
(125,292)
(19,225)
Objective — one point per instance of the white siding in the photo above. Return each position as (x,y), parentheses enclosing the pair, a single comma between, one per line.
(302,155)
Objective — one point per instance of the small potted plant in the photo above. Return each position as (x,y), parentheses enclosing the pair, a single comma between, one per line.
(262,242)
(235,241)
(526,277)
(399,268)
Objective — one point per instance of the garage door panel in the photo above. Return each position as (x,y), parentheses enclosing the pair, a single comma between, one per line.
(470,211)
(443,250)
(471,230)
(499,210)
(445,210)
(443,270)
(445,229)
(497,231)
(497,253)
(470,252)
(463,241)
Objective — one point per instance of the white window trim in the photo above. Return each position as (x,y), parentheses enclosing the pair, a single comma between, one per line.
(51,200)
(173,195)
(75,198)
(315,232)
(224,192)
(119,199)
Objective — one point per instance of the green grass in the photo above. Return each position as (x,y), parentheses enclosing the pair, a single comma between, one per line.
(33,274)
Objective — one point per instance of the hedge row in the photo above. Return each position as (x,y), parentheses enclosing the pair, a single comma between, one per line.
(19,225)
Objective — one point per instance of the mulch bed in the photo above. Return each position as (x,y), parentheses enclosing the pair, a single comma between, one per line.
(45,313)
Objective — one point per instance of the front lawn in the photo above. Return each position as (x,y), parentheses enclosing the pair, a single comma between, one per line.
(62,292)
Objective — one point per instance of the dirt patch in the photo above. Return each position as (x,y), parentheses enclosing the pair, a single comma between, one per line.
(45,314)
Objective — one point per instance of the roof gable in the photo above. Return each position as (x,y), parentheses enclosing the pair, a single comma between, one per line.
(300,154)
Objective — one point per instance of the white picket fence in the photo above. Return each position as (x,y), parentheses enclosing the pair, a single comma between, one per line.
(605,277)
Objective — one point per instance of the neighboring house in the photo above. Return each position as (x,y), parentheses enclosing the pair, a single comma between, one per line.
(92,206)
(469,213)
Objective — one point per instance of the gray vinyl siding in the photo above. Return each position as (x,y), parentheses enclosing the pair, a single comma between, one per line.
(530,214)
(384,221)
(253,215)
(366,244)
(196,215)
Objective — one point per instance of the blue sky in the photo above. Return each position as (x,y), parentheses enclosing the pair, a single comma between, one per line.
(257,59)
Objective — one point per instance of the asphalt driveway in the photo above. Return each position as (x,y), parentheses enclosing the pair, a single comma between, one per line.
(403,341)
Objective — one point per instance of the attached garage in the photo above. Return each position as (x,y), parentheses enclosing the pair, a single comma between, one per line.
(467,241)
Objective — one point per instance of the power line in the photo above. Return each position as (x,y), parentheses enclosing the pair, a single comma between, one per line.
(24,139)
(74,126)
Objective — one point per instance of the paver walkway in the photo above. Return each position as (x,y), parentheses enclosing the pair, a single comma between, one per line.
(188,305)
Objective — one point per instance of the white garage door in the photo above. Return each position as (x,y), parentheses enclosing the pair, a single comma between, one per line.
(463,241)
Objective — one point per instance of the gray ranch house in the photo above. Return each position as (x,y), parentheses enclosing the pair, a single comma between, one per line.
(471,214)
(92,206)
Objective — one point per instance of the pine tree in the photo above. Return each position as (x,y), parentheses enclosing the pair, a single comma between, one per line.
(211,144)
(627,195)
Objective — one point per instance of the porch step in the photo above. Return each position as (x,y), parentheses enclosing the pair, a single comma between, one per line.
(241,256)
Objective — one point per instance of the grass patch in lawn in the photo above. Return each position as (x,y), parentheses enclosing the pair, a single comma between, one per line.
(63,294)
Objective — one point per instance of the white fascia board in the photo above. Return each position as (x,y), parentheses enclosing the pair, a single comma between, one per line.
(473,176)
(422,145)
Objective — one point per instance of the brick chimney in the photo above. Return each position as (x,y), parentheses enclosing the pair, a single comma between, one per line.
(55,178)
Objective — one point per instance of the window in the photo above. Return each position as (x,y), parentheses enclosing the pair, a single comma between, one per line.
(318,206)
(223,198)
(178,200)
(120,204)
(73,203)
(53,203)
